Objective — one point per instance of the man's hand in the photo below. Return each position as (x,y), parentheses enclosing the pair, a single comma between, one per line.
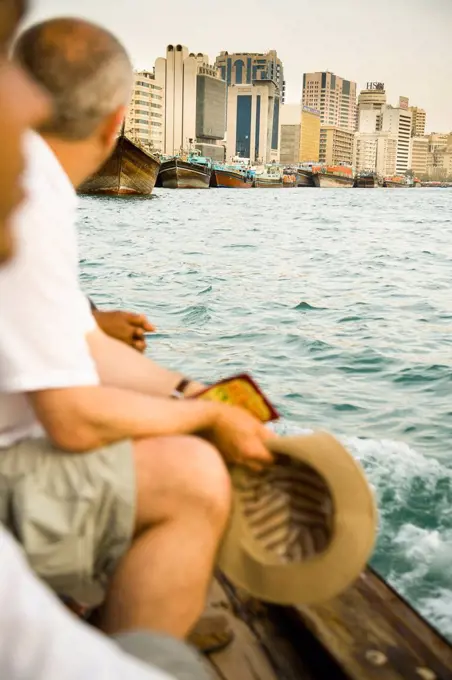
(240,437)
(125,326)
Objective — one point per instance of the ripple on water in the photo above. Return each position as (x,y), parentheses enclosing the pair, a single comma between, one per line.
(341,309)
(306,307)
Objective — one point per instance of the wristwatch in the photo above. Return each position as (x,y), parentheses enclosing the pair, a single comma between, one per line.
(178,392)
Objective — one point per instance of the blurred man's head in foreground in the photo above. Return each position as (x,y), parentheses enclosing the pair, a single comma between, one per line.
(88,74)
(22,105)
(11,13)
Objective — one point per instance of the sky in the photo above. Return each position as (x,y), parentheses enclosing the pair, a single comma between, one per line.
(406,44)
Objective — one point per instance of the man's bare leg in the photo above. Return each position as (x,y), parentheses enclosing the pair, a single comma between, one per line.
(183,503)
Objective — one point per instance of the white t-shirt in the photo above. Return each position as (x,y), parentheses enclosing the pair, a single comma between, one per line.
(44,316)
(41,640)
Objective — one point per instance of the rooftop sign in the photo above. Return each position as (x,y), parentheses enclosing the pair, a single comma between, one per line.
(375,86)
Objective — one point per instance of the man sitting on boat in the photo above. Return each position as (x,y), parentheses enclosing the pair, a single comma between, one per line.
(39,638)
(118,493)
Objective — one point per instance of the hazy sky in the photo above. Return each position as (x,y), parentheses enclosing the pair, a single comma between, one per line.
(407,44)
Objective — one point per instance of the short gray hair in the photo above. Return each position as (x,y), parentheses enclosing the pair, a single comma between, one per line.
(84,68)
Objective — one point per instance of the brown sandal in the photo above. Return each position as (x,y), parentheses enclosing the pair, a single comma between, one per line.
(212,633)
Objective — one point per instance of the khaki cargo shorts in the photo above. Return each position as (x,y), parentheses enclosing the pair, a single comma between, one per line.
(74,514)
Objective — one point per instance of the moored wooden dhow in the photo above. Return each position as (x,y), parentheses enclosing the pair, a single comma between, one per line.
(186,172)
(395,182)
(366,180)
(231,177)
(269,177)
(289,178)
(130,170)
(304,175)
(333,176)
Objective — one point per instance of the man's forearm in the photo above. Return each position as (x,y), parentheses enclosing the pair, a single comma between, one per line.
(121,366)
(80,419)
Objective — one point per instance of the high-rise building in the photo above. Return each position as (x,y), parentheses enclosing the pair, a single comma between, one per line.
(439,165)
(373,99)
(375,152)
(439,158)
(369,120)
(417,121)
(195,102)
(253,127)
(211,102)
(243,68)
(438,141)
(336,145)
(300,134)
(365,151)
(333,96)
(290,134)
(310,135)
(419,155)
(397,121)
(145,116)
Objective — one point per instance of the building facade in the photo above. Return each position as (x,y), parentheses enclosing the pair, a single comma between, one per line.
(439,158)
(440,166)
(243,68)
(194,102)
(145,121)
(336,145)
(210,112)
(418,121)
(310,135)
(397,121)
(333,96)
(369,120)
(290,134)
(300,134)
(253,122)
(419,155)
(372,99)
(438,141)
(375,152)
(365,152)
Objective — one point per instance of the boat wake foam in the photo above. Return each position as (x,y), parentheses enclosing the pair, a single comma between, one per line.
(414,547)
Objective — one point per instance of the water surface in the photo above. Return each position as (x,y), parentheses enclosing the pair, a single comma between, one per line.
(339,303)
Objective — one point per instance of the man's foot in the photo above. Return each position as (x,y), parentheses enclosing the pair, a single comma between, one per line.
(212,633)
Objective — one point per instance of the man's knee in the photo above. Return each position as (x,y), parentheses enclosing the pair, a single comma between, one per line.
(208,478)
(185,473)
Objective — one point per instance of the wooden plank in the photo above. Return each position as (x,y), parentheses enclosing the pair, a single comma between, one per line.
(369,633)
(244,658)
(262,650)
(372,634)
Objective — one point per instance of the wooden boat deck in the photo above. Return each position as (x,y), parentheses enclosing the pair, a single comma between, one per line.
(249,657)
(369,633)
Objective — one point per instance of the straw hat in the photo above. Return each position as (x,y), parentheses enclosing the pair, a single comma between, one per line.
(302,530)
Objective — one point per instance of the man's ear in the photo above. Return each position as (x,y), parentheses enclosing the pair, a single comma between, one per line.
(111,126)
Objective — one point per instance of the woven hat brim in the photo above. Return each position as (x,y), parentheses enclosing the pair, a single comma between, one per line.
(320,578)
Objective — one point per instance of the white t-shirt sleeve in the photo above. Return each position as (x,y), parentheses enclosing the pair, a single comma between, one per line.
(44,316)
(41,640)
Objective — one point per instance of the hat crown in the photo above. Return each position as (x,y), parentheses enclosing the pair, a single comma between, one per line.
(288,508)
(301,531)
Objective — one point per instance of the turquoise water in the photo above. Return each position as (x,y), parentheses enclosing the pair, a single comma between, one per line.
(339,303)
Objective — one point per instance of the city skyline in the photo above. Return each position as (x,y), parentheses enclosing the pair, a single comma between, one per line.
(390,41)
